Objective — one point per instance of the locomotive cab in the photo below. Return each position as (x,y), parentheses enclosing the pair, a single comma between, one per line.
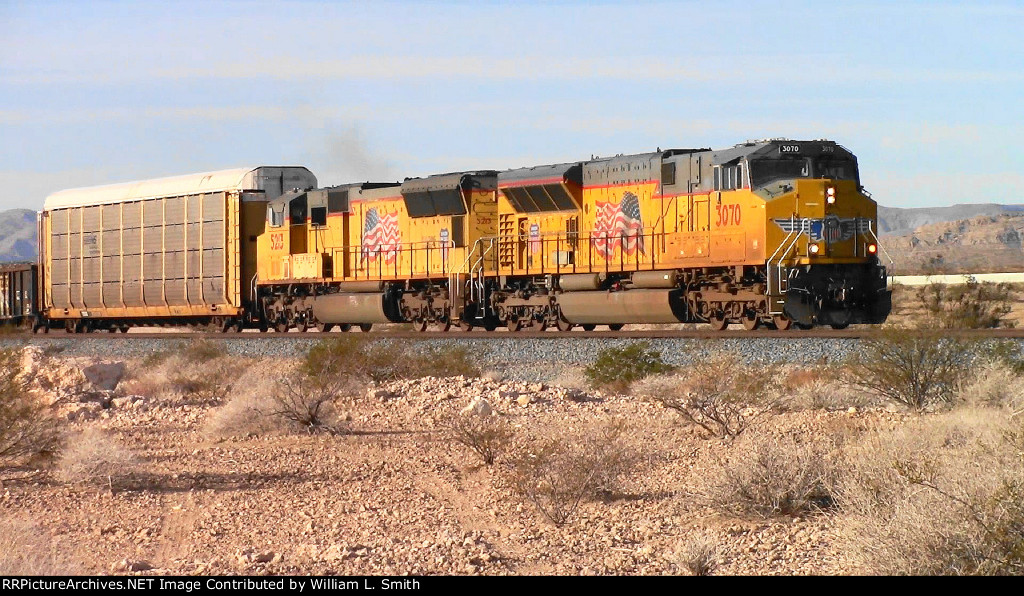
(824,266)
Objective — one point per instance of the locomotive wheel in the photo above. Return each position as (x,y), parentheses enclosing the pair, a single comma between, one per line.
(365,327)
(419,326)
(490,325)
(616,326)
(466,325)
(324,327)
(718,322)
(345,327)
(589,327)
(281,327)
(112,329)
(125,328)
(803,326)
(514,324)
(840,325)
(564,325)
(751,321)
(303,326)
(782,322)
(444,325)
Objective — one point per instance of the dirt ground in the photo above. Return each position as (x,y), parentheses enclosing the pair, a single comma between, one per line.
(390,495)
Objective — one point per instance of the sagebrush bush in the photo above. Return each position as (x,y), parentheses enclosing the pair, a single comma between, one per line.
(486,436)
(308,402)
(95,457)
(617,368)
(381,362)
(972,305)
(557,474)
(915,368)
(27,427)
(942,496)
(282,398)
(717,392)
(768,475)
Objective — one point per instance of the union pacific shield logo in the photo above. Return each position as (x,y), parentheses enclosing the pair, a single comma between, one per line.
(831,229)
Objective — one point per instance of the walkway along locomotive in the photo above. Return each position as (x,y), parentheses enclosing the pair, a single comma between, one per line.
(773,232)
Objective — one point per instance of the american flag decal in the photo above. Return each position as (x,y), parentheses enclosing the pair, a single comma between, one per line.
(381,236)
(618,225)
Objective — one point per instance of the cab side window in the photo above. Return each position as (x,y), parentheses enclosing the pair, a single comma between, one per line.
(275,217)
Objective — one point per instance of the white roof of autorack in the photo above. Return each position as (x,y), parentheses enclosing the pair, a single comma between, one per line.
(172,186)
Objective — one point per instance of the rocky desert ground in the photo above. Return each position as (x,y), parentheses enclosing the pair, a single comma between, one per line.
(173,464)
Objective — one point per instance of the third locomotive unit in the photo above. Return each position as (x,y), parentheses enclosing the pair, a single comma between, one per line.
(775,233)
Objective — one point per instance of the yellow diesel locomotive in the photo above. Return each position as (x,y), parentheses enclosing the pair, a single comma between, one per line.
(775,232)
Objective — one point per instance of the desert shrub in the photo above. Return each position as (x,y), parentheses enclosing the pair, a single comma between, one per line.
(617,368)
(769,475)
(26,550)
(993,384)
(202,350)
(94,457)
(699,554)
(718,393)
(972,305)
(944,496)
(1006,352)
(486,436)
(381,362)
(26,425)
(556,475)
(308,402)
(441,362)
(825,393)
(281,398)
(915,368)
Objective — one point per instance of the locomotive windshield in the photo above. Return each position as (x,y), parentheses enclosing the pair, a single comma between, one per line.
(765,171)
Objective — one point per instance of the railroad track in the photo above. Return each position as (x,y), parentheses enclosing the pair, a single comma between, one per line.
(795,334)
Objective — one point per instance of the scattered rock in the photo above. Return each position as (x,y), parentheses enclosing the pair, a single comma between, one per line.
(478,407)
(130,565)
(104,376)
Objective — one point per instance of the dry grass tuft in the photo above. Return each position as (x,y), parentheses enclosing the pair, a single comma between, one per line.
(557,474)
(26,550)
(95,457)
(699,554)
(942,496)
(768,475)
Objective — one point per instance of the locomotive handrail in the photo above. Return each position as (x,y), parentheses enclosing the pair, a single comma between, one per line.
(878,243)
(785,247)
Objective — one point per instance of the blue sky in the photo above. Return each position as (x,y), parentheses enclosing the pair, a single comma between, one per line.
(929,95)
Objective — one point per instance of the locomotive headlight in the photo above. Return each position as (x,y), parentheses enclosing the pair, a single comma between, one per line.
(813,249)
(872,249)
(830,195)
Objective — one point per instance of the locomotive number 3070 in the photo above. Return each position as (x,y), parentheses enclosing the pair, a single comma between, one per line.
(728,215)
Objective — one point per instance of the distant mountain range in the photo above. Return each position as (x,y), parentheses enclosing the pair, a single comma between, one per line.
(896,221)
(961,238)
(17,235)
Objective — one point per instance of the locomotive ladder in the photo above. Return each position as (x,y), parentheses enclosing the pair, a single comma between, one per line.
(777,282)
(474,271)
